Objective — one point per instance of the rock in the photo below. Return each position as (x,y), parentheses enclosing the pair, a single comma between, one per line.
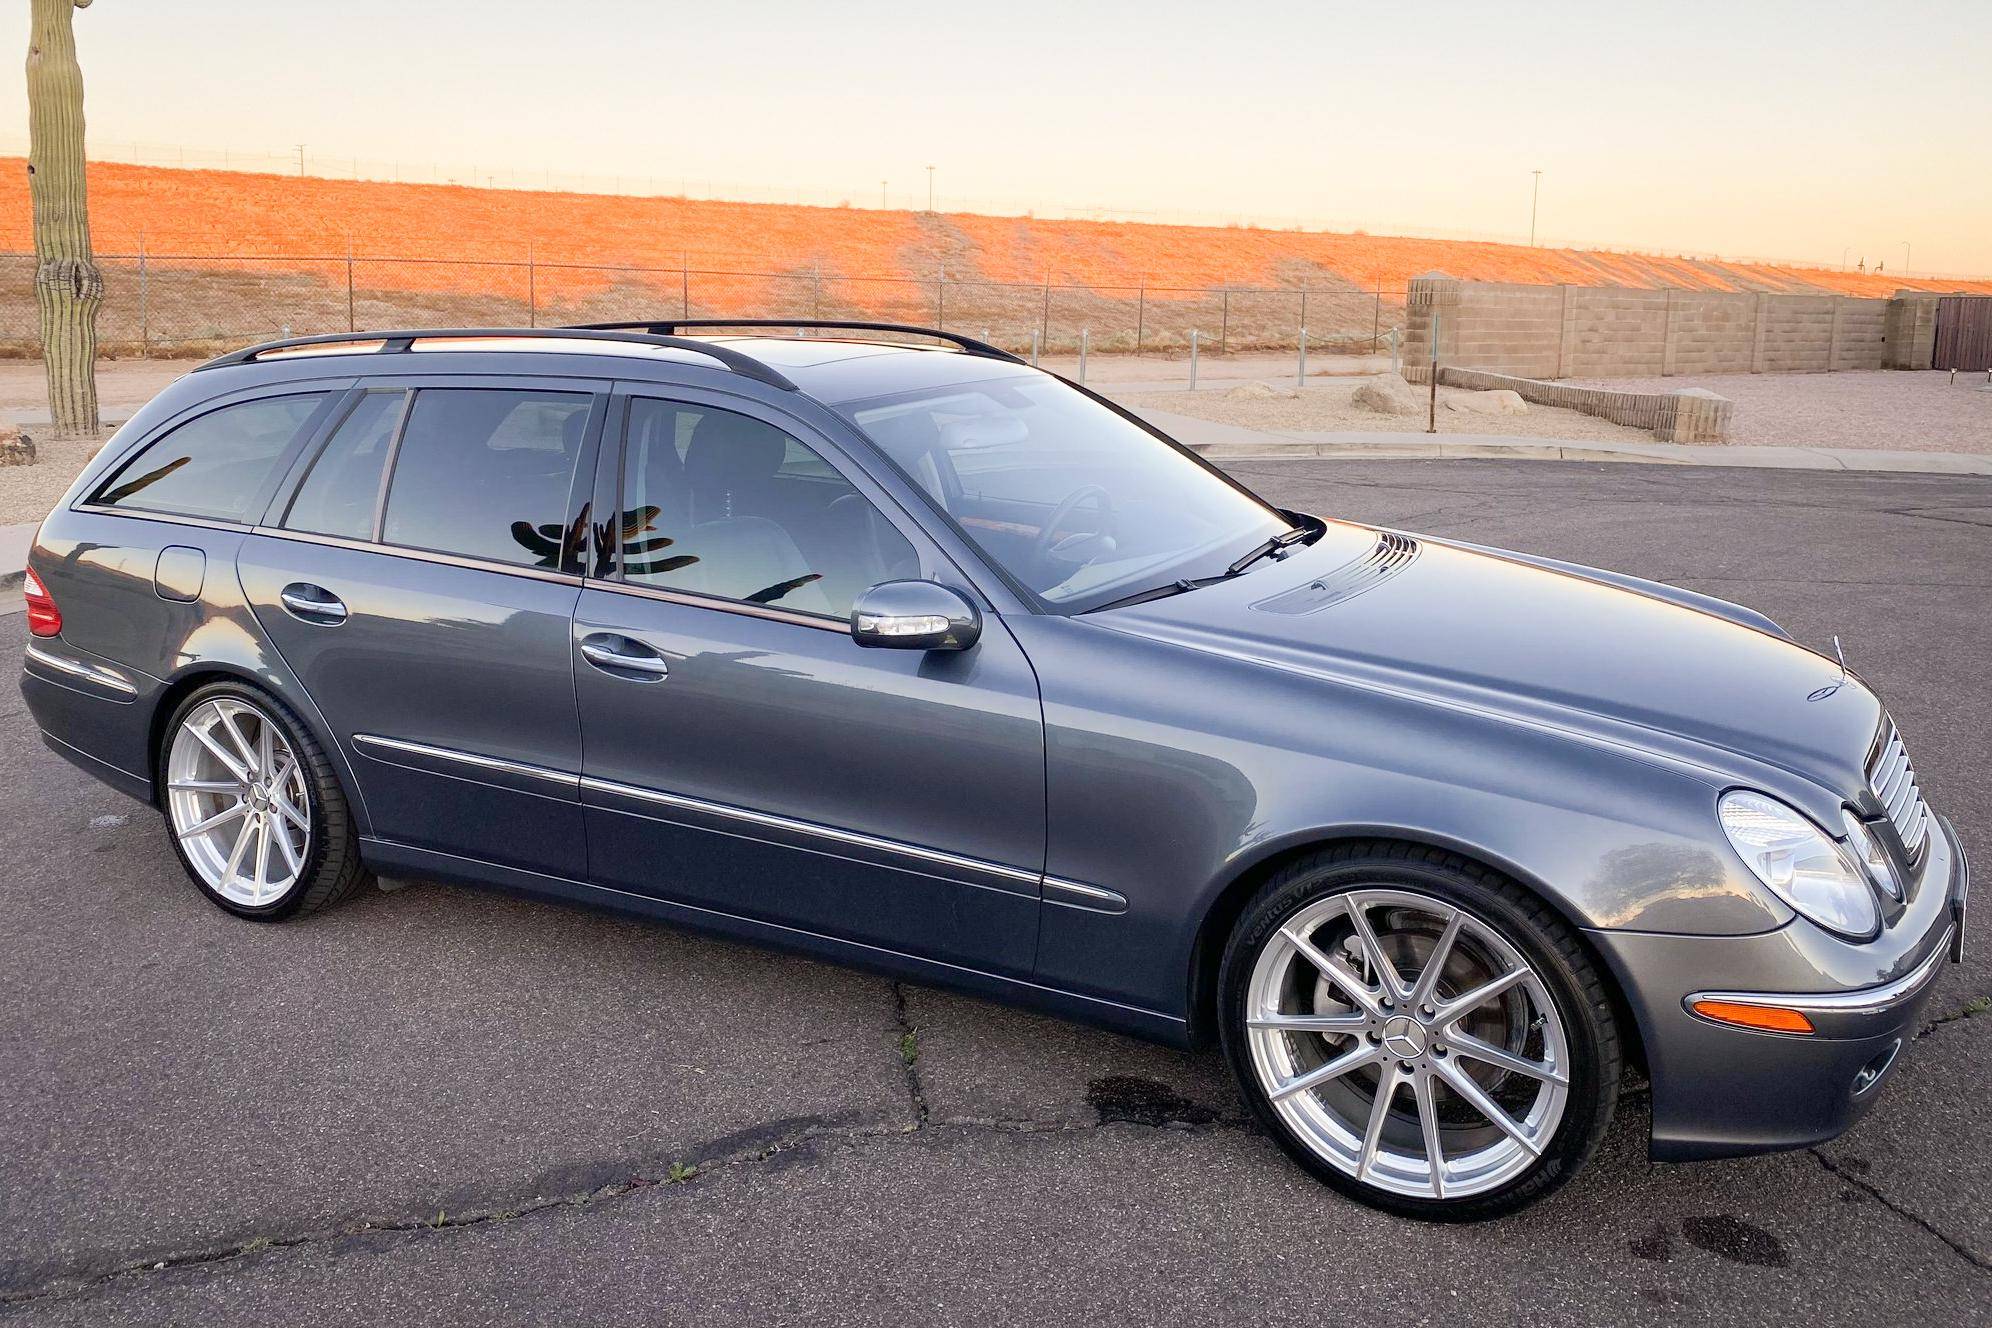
(16,448)
(1256,392)
(1388,394)
(1501,401)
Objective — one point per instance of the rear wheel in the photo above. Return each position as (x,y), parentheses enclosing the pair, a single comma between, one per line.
(256,814)
(1419,1032)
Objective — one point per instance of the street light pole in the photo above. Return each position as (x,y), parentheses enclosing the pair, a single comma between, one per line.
(1534,196)
(881,195)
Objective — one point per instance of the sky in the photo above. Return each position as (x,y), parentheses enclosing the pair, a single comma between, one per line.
(1745,129)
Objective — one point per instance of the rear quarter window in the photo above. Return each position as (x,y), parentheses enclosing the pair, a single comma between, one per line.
(214,465)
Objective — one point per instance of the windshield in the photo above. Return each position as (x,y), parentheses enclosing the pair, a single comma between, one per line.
(1069,498)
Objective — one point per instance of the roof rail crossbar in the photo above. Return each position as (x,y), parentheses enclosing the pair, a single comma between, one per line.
(668,326)
(400,341)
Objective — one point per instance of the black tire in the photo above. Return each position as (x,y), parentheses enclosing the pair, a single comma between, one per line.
(332,870)
(1552,949)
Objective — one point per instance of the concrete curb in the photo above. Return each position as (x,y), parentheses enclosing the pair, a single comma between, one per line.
(1229,442)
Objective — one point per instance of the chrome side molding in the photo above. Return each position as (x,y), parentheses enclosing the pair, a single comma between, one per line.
(100,674)
(1074,894)
(560,777)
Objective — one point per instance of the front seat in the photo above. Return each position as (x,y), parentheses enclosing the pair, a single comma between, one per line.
(730,466)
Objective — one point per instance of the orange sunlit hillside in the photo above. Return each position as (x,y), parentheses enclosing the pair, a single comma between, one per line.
(209,213)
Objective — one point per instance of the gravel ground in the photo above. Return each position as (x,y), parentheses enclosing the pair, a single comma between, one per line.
(1887,409)
(28,492)
(1326,407)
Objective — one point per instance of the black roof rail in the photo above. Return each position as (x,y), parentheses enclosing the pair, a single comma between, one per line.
(402,340)
(665,327)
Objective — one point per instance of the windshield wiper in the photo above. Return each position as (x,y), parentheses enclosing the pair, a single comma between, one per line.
(1153,592)
(1273,545)
(1284,540)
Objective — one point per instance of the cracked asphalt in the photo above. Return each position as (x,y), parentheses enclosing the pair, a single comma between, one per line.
(454,1105)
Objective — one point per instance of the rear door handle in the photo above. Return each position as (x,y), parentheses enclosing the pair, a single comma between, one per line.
(313,604)
(624,658)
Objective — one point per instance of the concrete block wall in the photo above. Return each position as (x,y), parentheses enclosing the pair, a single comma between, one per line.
(1509,329)
(1912,330)
(1548,332)
(1863,340)
(1431,302)
(1798,334)
(1616,331)
(1713,333)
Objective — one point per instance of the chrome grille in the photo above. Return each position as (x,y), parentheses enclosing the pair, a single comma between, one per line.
(1893,780)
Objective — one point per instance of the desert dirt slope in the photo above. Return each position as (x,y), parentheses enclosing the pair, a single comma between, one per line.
(234,256)
(208,212)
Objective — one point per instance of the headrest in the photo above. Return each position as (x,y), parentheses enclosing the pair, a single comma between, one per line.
(983,431)
(730,452)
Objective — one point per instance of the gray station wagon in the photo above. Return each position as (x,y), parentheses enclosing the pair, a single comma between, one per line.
(915,657)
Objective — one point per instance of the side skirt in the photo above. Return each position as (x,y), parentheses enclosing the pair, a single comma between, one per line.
(392,859)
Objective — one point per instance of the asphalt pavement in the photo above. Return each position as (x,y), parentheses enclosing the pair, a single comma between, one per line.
(447,1105)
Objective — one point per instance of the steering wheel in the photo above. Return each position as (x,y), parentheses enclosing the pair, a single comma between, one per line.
(1047,536)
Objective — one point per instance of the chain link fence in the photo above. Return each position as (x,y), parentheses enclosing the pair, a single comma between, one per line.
(179,304)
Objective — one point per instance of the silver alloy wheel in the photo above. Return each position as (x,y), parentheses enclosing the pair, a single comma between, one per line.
(237,799)
(1364,998)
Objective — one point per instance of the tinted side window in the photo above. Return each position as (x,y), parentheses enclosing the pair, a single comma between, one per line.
(340,493)
(214,465)
(722,504)
(485,473)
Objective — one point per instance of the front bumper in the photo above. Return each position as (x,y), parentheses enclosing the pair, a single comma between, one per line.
(1720,1090)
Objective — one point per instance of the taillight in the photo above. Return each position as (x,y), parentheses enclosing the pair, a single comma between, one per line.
(44,619)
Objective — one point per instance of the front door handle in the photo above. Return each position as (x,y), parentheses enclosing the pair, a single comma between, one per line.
(622,657)
(313,604)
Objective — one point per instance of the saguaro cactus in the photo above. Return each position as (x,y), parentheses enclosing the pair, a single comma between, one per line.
(68,285)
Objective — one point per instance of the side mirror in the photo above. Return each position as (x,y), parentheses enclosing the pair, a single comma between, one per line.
(914,615)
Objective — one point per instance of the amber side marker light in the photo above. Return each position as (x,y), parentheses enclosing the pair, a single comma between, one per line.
(1765,1018)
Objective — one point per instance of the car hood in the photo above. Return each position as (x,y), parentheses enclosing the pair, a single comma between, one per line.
(1612,657)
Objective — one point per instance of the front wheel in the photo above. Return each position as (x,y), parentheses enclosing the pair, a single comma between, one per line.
(255,811)
(1419,1032)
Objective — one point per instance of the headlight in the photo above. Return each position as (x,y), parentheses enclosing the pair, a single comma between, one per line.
(1801,863)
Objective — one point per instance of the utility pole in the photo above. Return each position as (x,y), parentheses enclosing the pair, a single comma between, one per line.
(1535,196)
(930,189)
(300,159)
(1905,255)
(881,196)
